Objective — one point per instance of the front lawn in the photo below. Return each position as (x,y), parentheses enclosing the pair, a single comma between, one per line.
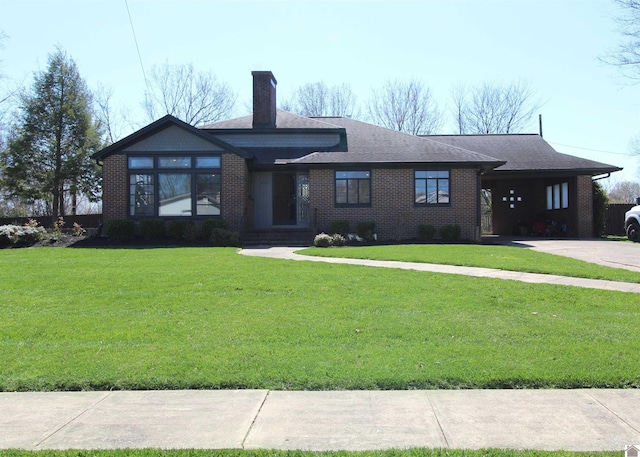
(188,318)
(473,255)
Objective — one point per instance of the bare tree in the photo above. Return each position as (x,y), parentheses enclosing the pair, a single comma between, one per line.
(319,99)
(624,192)
(193,97)
(406,106)
(114,124)
(495,108)
(627,55)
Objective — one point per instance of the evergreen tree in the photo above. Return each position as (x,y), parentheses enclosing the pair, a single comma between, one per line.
(49,152)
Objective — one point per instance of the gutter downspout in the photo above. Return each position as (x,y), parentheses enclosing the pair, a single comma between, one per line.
(601,177)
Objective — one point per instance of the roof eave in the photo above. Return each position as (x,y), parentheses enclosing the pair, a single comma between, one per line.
(161,124)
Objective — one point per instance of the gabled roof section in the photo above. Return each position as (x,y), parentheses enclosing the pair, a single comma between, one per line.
(284,120)
(525,153)
(369,143)
(158,126)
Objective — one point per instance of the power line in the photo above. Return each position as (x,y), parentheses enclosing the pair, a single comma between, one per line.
(592,150)
(135,39)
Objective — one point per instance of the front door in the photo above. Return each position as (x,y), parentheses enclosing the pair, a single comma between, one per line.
(284,199)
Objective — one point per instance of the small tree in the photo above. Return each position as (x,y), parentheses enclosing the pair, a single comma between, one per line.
(49,152)
(600,204)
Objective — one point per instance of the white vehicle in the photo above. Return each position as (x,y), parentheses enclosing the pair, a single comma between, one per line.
(632,222)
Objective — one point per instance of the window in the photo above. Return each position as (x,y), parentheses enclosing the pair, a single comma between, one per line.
(353,187)
(174,186)
(432,187)
(558,196)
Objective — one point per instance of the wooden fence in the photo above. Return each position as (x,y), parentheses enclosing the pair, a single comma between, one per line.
(614,218)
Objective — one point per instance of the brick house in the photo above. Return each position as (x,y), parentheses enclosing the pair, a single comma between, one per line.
(277,174)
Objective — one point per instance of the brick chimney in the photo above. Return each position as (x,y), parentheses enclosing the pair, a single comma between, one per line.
(264,100)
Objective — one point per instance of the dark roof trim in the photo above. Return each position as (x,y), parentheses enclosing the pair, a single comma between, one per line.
(555,173)
(162,124)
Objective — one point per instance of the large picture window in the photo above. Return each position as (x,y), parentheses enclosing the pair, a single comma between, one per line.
(353,188)
(432,187)
(174,186)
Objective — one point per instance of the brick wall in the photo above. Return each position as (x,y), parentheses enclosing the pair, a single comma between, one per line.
(392,204)
(235,189)
(115,187)
(584,187)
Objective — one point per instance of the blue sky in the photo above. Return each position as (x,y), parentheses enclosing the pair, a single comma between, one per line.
(554,45)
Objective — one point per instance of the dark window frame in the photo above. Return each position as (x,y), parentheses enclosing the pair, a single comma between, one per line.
(355,186)
(156,170)
(437,181)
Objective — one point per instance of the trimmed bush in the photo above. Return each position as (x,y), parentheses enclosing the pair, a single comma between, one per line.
(366,230)
(224,238)
(426,232)
(341,227)
(322,240)
(152,229)
(120,229)
(24,235)
(209,225)
(338,240)
(450,232)
(181,229)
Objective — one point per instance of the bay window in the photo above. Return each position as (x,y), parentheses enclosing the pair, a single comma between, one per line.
(174,186)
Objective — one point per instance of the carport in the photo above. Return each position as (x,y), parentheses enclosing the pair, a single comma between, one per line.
(538,191)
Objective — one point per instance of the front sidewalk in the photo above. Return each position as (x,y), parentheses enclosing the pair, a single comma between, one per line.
(572,420)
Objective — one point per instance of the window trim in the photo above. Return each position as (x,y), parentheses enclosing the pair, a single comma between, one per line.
(358,179)
(155,171)
(437,179)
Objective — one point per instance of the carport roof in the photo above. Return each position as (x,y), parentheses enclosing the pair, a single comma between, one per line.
(525,153)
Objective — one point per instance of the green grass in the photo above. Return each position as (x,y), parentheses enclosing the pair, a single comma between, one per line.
(181,318)
(274,453)
(473,255)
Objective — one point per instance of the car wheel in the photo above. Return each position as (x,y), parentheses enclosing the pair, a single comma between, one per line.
(633,232)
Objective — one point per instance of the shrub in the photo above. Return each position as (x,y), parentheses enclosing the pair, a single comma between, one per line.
(450,232)
(366,230)
(120,229)
(224,238)
(322,240)
(25,235)
(30,235)
(182,229)
(426,232)
(340,227)
(78,230)
(152,229)
(338,240)
(209,225)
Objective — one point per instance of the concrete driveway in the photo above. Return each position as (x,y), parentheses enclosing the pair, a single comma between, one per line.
(610,253)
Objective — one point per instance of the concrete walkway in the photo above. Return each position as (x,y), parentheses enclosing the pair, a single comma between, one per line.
(575,420)
(290,254)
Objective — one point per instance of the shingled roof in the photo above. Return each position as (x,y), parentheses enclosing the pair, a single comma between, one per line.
(368,143)
(524,153)
(284,120)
